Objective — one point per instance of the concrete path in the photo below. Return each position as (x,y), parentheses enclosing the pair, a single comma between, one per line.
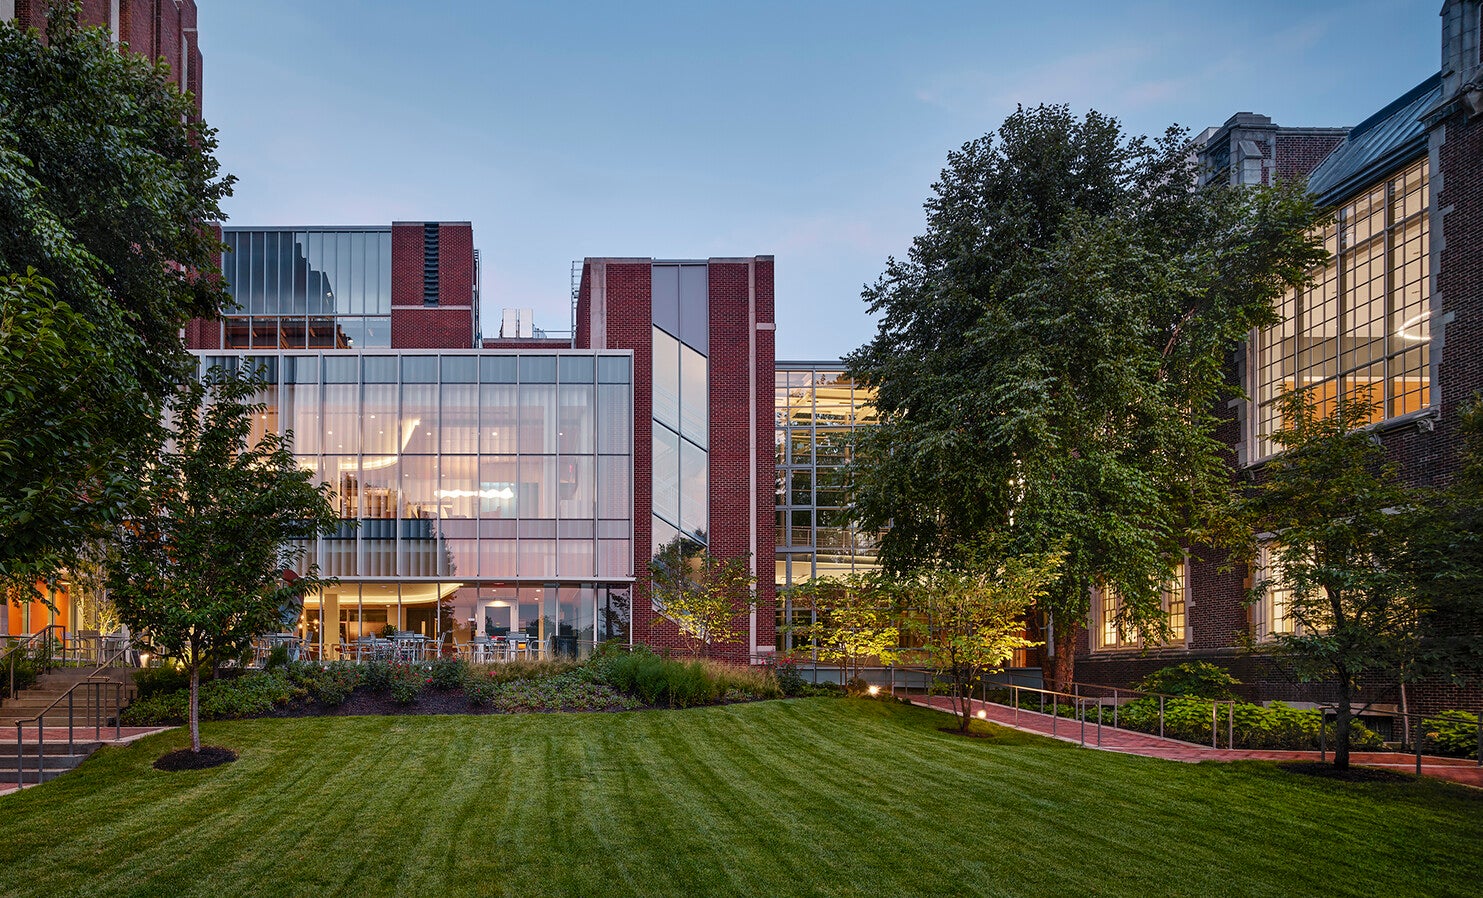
(1458,770)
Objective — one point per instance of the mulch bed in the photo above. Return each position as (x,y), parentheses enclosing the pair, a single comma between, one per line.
(1352,775)
(363,702)
(185,759)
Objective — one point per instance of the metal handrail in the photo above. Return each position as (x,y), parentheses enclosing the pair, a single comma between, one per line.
(96,684)
(28,643)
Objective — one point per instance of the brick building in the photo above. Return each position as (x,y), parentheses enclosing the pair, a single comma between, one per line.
(1397,309)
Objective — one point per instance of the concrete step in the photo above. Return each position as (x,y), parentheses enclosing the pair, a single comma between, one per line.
(56,757)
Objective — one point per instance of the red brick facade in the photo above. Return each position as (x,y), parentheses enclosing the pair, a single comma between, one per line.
(453,322)
(615,311)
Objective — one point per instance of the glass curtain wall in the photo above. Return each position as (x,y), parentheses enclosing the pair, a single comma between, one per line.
(817,409)
(1363,324)
(456,474)
(307,288)
(681,294)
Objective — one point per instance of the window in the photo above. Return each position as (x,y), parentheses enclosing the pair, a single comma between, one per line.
(1364,321)
(1271,615)
(1174,594)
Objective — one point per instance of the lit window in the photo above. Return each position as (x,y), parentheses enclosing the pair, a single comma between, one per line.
(1272,615)
(1362,324)
(1173,594)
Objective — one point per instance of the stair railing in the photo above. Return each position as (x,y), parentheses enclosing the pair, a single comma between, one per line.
(27,646)
(98,688)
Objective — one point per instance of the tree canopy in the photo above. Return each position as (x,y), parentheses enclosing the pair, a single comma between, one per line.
(108,186)
(201,569)
(707,597)
(1050,356)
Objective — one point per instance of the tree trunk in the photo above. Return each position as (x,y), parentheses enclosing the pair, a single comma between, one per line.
(195,708)
(1341,726)
(1063,664)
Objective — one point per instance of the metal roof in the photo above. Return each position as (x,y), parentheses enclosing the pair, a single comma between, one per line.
(1377,145)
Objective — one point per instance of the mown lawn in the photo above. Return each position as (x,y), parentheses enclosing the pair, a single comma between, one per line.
(805,797)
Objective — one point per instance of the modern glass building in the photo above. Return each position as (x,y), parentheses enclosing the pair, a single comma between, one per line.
(481,492)
(308,288)
(816,411)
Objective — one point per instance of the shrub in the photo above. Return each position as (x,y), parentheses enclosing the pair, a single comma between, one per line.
(246,696)
(1196,679)
(328,684)
(407,681)
(25,671)
(448,673)
(1454,733)
(672,683)
(277,658)
(376,676)
(1279,726)
(790,681)
(151,681)
(569,691)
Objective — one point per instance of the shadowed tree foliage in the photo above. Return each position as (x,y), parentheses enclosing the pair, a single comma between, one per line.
(1051,353)
(105,185)
(201,569)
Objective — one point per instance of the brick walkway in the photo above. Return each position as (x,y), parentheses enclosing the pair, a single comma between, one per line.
(1458,770)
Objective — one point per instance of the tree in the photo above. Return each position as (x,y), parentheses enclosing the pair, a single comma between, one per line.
(1050,355)
(970,612)
(707,597)
(1337,517)
(857,616)
(208,562)
(106,185)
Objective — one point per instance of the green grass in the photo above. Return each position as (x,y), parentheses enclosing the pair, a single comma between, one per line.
(806,797)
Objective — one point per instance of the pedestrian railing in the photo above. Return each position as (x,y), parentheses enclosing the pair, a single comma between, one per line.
(90,700)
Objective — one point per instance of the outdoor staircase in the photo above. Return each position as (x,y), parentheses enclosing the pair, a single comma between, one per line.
(57,756)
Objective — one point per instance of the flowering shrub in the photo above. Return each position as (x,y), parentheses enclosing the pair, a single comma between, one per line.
(448,673)
(248,696)
(563,692)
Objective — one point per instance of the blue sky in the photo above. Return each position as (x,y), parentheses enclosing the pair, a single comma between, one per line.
(809,131)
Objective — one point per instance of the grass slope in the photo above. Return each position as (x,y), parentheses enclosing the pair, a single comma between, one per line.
(809,797)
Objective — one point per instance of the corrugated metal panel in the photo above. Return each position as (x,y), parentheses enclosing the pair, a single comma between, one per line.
(1377,145)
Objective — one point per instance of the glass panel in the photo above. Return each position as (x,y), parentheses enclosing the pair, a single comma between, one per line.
(614,487)
(614,418)
(458,494)
(575,558)
(694,398)
(614,558)
(575,418)
(613,613)
(380,369)
(498,558)
(667,298)
(460,369)
(378,333)
(577,493)
(379,424)
(499,369)
(383,305)
(537,369)
(575,369)
(694,489)
(695,307)
(380,499)
(301,414)
(341,418)
(666,474)
(498,476)
(419,369)
(459,433)
(666,379)
(419,418)
(537,419)
(612,370)
(498,417)
(537,558)
(535,496)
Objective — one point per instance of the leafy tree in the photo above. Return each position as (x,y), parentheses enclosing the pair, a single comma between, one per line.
(208,564)
(858,616)
(1050,355)
(707,597)
(1338,517)
(106,183)
(970,613)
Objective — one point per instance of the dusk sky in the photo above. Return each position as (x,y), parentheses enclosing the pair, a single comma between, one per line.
(808,131)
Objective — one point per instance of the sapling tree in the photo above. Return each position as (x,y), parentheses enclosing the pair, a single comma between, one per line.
(214,551)
(969,611)
(857,617)
(707,597)
(1336,520)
